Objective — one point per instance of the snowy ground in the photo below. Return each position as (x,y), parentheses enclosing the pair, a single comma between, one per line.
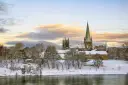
(110,67)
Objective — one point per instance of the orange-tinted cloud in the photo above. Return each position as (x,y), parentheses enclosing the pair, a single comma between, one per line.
(64,29)
(111,37)
(56,31)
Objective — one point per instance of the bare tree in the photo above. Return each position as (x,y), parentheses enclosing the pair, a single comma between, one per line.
(68,59)
(125,45)
(16,52)
(81,59)
(28,52)
(19,46)
(39,47)
(98,61)
(51,55)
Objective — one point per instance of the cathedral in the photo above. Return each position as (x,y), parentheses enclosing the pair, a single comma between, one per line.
(86,47)
(87,41)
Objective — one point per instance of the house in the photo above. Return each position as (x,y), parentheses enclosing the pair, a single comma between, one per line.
(91,54)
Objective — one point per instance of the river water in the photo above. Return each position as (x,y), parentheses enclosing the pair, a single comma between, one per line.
(66,80)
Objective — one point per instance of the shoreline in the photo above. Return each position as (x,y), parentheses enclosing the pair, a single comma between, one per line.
(68,73)
(59,75)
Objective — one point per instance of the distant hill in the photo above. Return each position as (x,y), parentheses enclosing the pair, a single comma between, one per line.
(32,43)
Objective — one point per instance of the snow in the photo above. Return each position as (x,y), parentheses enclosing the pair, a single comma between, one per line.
(93,52)
(109,67)
(42,55)
(61,61)
(90,62)
(62,53)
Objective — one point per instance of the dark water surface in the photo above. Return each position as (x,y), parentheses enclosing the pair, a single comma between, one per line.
(66,80)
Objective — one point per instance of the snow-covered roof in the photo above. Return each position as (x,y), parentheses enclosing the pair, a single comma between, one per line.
(62,51)
(93,52)
(62,55)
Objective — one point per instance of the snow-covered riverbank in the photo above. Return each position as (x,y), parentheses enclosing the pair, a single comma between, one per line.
(110,67)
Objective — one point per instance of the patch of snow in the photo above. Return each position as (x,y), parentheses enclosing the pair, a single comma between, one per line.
(90,62)
(62,51)
(61,61)
(109,67)
(62,55)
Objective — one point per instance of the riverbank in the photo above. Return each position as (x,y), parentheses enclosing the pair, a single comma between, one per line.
(109,67)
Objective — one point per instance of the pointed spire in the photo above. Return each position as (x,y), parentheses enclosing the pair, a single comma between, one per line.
(88,37)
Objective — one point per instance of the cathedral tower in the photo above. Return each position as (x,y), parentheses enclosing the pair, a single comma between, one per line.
(88,39)
(65,43)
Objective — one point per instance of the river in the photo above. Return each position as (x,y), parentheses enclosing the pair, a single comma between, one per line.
(66,80)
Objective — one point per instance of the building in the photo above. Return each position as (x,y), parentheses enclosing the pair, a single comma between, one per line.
(91,54)
(100,48)
(65,43)
(86,48)
(88,39)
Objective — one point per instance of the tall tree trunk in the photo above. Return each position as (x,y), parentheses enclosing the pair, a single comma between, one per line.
(48,64)
(53,63)
(78,63)
(62,66)
(73,63)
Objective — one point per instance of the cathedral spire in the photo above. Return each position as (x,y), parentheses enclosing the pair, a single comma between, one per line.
(88,37)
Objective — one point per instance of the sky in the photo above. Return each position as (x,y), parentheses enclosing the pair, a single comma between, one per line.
(52,20)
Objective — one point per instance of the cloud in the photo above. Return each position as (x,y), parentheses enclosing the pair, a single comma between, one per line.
(42,35)
(57,31)
(51,32)
(110,37)
(2,30)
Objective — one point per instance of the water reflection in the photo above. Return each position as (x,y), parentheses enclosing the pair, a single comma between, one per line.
(126,79)
(98,80)
(66,80)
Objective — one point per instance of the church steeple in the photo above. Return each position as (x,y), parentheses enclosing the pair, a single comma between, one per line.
(88,39)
